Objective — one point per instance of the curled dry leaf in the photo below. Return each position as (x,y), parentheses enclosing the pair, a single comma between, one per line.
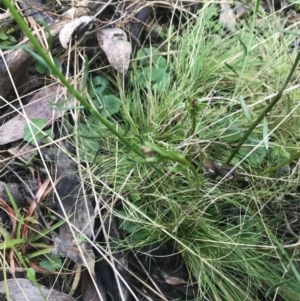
(68,29)
(227,16)
(113,41)
(40,106)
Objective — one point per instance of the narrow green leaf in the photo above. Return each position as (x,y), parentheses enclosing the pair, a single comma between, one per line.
(275,286)
(245,109)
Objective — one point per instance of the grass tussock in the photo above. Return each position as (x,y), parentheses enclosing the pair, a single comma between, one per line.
(195,96)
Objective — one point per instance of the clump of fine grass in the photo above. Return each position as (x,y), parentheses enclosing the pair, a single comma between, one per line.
(225,231)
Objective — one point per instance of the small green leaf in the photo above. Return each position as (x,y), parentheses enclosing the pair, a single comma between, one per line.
(233,134)
(112,104)
(245,109)
(146,51)
(57,62)
(163,84)
(12,39)
(36,134)
(160,62)
(31,275)
(51,263)
(81,239)
(97,84)
(43,69)
(40,68)
(3,35)
(157,74)
(135,196)
(255,157)
(89,146)
(279,154)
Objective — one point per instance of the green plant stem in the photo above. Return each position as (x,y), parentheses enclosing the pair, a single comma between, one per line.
(273,102)
(285,162)
(193,110)
(134,147)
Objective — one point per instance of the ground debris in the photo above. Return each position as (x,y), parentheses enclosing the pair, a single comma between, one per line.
(40,106)
(75,208)
(213,169)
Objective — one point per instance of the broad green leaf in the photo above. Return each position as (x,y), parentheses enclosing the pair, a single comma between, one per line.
(112,104)
(98,87)
(233,134)
(157,74)
(161,62)
(255,157)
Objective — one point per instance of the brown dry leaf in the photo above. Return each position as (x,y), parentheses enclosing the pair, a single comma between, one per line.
(40,106)
(227,16)
(23,289)
(113,41)
(68,29)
